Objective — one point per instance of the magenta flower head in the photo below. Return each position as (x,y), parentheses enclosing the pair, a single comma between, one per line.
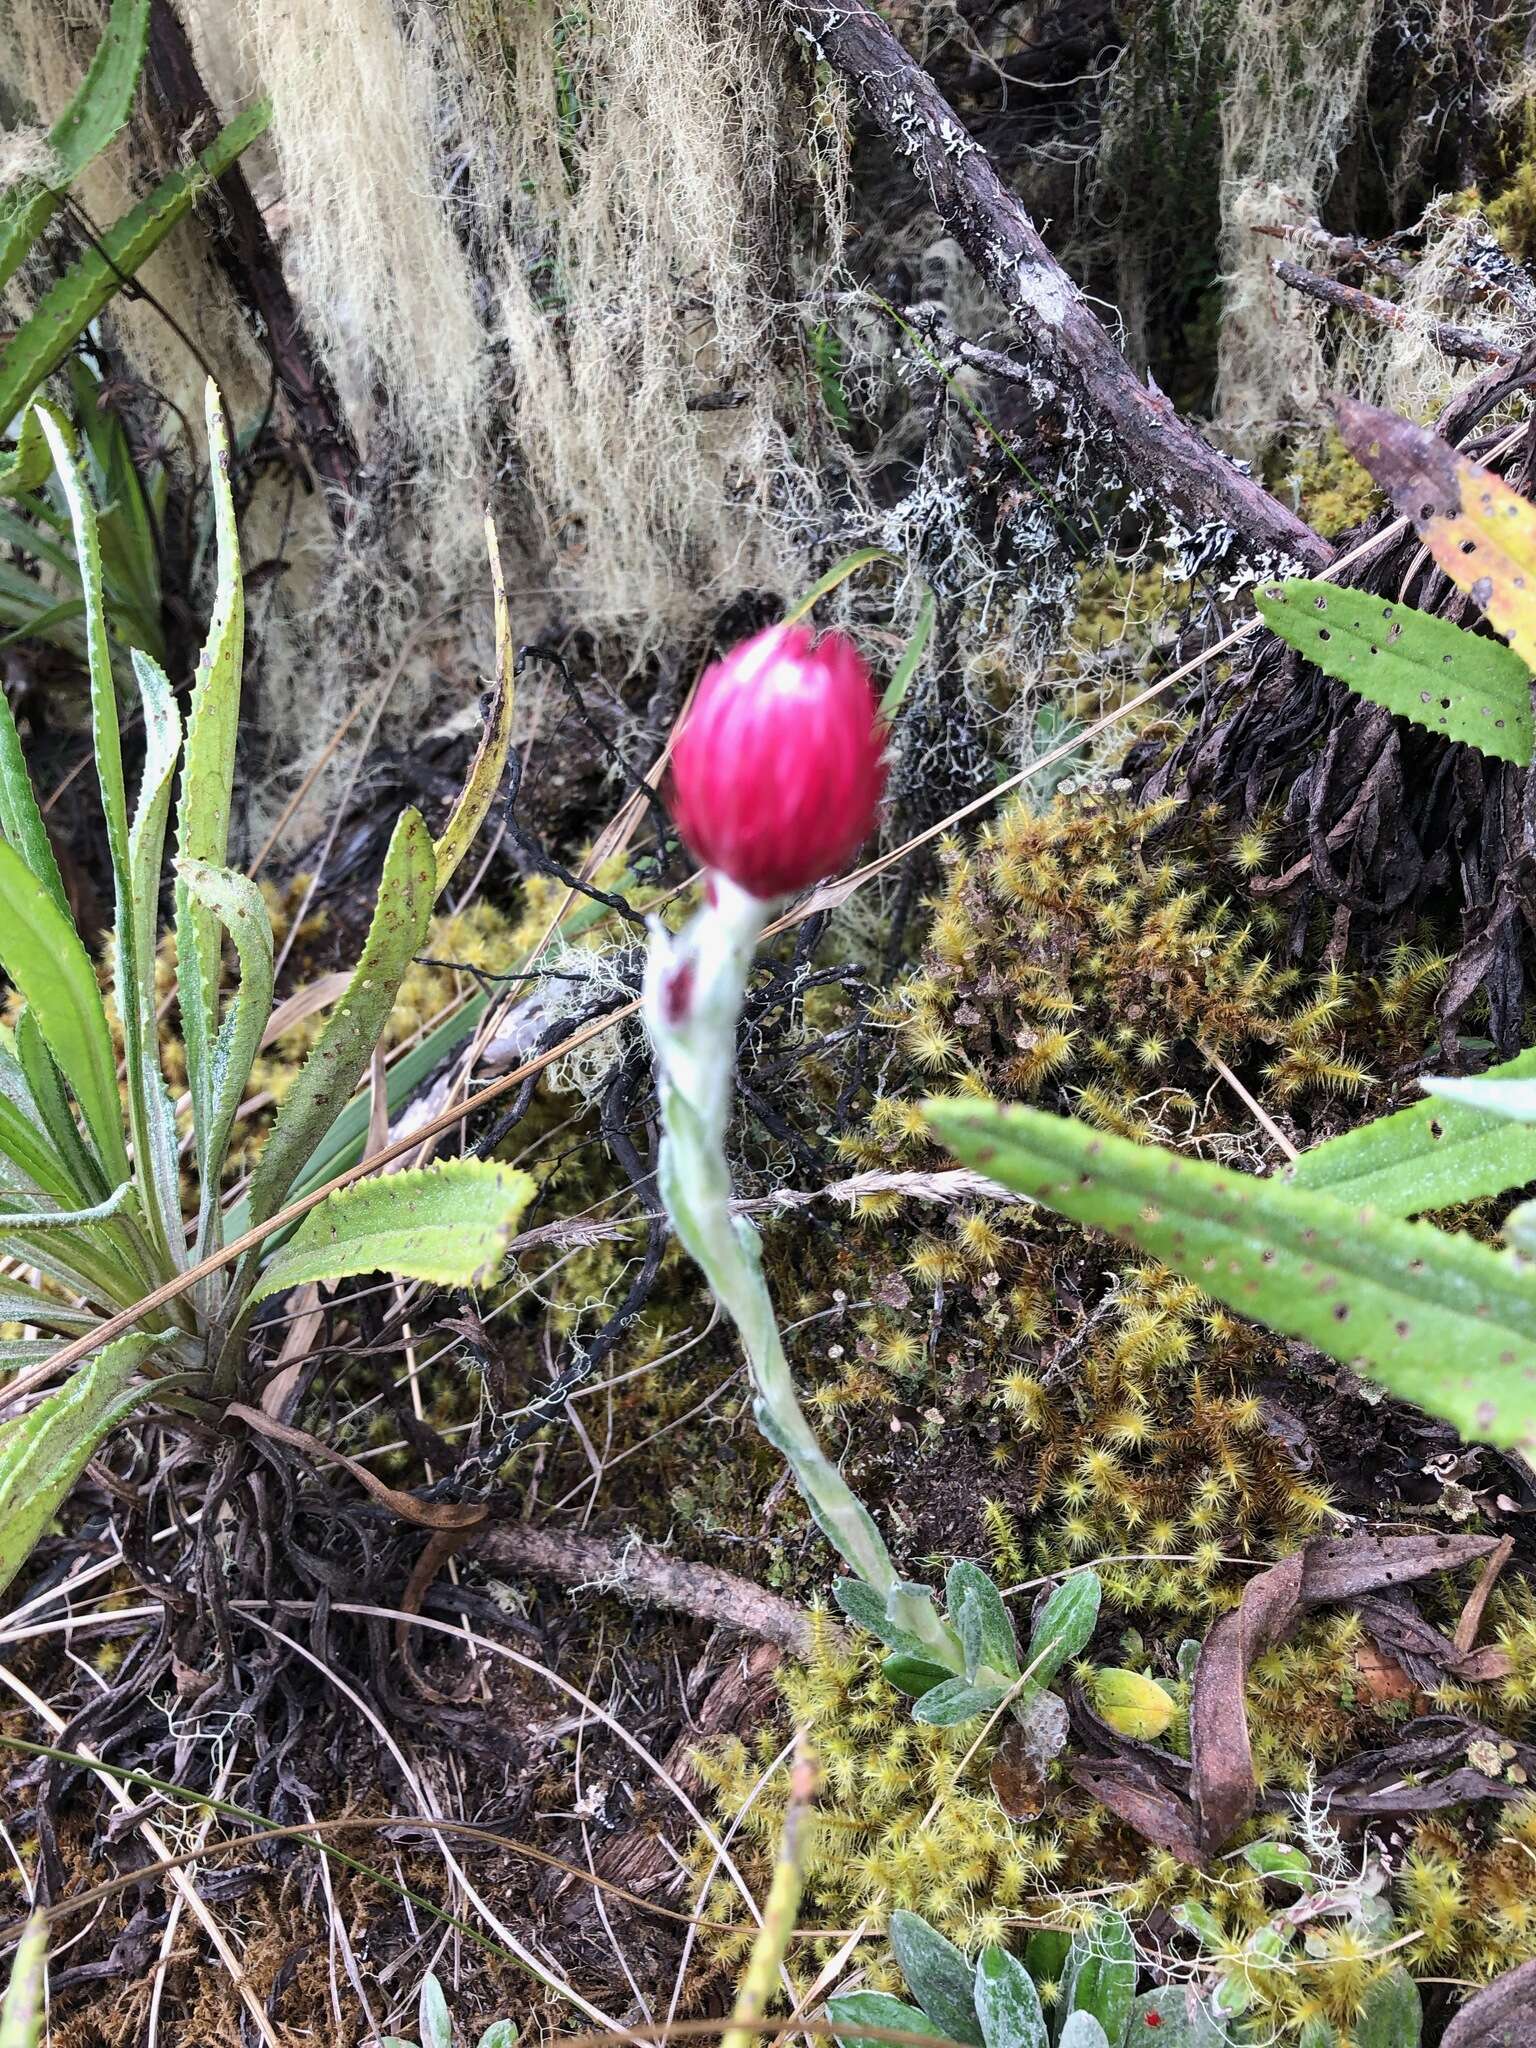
(778,770)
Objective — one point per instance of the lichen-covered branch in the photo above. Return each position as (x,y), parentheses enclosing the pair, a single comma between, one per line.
(1163,456)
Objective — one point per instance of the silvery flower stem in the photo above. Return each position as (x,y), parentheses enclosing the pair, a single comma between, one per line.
(695,982)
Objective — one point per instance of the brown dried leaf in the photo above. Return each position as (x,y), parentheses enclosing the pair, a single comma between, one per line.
(1135,1794)
(1324,1571)
(1480,532)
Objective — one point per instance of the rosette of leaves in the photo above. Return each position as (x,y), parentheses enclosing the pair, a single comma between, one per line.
(1075,1991)
(147,1303)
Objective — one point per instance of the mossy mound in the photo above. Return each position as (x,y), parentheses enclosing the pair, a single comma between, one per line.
(1016,1390)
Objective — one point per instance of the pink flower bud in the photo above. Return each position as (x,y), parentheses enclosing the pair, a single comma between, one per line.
(778,770)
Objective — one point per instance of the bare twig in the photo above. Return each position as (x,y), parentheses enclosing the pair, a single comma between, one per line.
(1068,344)
(642,1572)
(1463,344)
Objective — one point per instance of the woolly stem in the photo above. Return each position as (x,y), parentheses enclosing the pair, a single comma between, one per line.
(695,984)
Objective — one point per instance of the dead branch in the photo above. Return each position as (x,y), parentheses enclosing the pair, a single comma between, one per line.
(1461,343)
(642,1573)
(1162,455)
(244,249)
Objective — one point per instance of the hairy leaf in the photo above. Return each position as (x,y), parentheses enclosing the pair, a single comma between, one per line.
(433,2018)
(1065,1626)
(1082,2030)
(1511,1099)
(135,852)
(41,952)
(1442,1321)
(957,1701)
(43,1452)
(1421,667)
(1393,2013)
(1175,2016)
(938,1976)
(64,312)
(1479,531)
(1101,1975)
(448,1224)
(490,762)
(1432,1155)
(851,2010)
(336,1062)
(499,2034)
(1007,2003)
(977,1613)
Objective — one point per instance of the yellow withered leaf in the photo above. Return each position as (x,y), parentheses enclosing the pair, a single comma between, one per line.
(1479,531)
(1132,1704)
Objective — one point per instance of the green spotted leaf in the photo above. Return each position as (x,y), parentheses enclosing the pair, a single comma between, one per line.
(1440,1320)
(938,1977)
(1423,668)
(1434,1154)
(447,1224)
(1007,2003)
(851,2010)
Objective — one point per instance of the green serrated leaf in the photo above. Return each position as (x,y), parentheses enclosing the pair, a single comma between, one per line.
(336,1062)
(977,1613)
(956,1701)
(23,2009)
(490,762)
(1007,2003)
(64,312)
(1101,1976)
(938,1977)
(851,2010)
(41,952)
(1423,668)
(1511,1100)
(202,811)
(43,1452)
(446,1224)
(93,117)
(1440,1320)
(1432,1155)
(1065,1626)
(237,906)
